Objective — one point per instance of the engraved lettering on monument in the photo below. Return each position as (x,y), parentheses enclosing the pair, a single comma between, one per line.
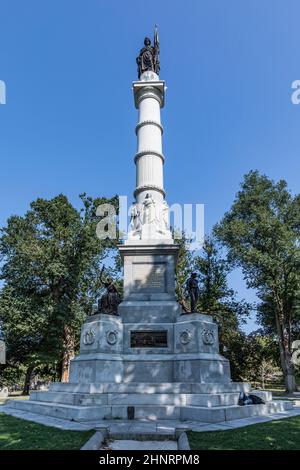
(149,339)
(149,277)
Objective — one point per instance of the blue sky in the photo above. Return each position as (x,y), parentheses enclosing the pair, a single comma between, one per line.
(68,125)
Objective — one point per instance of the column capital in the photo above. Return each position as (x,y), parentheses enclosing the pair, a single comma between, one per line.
(149,89)
(149,187)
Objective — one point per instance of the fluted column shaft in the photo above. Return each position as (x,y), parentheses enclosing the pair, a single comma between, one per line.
(149,160)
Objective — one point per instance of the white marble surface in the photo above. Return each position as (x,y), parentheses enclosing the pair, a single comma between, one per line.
(146,426)
(141,445)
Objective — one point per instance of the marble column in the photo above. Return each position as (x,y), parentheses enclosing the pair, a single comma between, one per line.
(151,212)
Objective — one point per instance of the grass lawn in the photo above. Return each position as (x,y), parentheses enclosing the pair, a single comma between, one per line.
(18,434)
(281,434)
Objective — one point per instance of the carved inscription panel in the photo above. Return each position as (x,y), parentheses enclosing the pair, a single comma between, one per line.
(149,277)
(149,339)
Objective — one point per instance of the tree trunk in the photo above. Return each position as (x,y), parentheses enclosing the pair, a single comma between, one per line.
(68,354)
(27,380)
(285,357)
(262,378)
(288,370)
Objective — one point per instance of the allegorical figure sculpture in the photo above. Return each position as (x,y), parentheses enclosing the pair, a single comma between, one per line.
(110,300)
(135,214)
(149,210)
(148,59)
(193,290)
(165,217)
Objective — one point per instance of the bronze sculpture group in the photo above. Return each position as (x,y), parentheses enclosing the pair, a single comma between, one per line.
(110,300)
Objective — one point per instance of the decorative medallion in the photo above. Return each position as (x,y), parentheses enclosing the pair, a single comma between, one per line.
(208,336)
(89,337)
(112,337)
(185,336)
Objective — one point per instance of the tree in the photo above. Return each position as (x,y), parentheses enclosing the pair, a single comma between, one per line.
(215,298)
(24,325)
(184,267)
(218,300)
(51,259)
(261,232)
(261,357)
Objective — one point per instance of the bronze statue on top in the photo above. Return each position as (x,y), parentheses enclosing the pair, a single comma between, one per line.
(110,300)
(148,58)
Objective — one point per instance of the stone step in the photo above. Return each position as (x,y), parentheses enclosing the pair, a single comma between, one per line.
(149,411)
(136,387)
(212,400)
(93,413)
(180,399)
(228,413)
(70,398)
(63,411)
(222,399)
(76,387)
(130,399)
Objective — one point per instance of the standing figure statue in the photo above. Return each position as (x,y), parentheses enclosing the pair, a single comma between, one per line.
(149,210)
(148,59)
(165,217)
(193,290)
(135,218)
(110,300)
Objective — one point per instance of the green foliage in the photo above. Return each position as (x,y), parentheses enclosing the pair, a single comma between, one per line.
(216,297)
(183,270)
(261,357)
(261,232)
(51,260)
(218,300)
(12,375)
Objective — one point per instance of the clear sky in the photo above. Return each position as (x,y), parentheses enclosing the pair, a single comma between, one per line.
(68,125)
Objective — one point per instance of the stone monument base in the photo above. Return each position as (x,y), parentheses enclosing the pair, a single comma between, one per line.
(166,368)
(210,403)
(162,346)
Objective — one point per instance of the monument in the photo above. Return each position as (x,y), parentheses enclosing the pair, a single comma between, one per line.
(142,358)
